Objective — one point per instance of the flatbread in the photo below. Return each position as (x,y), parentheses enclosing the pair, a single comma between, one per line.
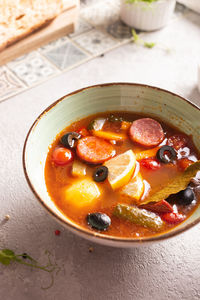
(19,18)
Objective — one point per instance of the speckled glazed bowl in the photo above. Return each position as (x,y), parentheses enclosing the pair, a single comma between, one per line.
(107,97)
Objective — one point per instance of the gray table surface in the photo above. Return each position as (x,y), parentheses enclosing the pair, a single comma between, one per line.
(167,270)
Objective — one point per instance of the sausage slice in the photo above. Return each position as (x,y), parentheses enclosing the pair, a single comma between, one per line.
(146,132)
(94,150)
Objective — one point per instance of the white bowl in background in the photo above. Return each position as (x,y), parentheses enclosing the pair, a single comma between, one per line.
(147,16)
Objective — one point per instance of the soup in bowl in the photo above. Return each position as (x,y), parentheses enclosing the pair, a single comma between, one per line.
(117,163)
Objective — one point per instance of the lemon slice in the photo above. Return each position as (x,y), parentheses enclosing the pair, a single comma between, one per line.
(134,189)
(120,169)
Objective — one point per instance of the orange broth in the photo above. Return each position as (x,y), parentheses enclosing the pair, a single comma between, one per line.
(58,177)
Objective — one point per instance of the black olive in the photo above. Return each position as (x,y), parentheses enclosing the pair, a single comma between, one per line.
(98,221)
(185,197)
(100,174)
(166,154)
(69,139)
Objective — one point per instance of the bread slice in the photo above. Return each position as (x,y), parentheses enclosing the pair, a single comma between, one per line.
(18,18)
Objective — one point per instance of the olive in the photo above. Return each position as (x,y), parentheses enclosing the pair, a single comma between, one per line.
(185,197)
(166,154)
(69,139)
(98,221)
(100,174)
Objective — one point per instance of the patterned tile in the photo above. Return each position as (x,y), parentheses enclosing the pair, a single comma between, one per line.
(9,84)
(96,42)
(106,12)
(54,44)
(19,59)
(66,55)
(119,30)
(33,69)
(82,27)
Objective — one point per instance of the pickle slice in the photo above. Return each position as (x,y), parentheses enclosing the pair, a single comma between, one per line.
(138,216)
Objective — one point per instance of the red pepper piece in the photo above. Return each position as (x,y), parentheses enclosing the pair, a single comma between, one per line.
(150,163)
(160,207)
(184,163)
(83,131)
(173,218)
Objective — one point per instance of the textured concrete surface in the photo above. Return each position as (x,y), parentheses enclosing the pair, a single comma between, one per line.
(168,270)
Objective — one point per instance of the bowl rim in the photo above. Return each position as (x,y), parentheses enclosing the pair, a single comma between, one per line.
(81,230)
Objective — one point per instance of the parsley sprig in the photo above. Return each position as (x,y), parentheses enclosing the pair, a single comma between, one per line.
(8,256)
(140,41)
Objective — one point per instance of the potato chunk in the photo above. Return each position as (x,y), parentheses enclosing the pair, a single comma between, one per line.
(78,169)
(82,193)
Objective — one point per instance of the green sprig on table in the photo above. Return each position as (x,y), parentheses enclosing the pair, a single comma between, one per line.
(139,41)
(8,256)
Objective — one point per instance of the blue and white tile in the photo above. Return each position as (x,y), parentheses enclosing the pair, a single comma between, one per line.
(33,69)
(119,30)
(82,27)
(9,84)
(20,59)
(66,55)
(96,42)
(54,44)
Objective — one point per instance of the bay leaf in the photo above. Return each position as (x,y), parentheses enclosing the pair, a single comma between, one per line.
(177,184)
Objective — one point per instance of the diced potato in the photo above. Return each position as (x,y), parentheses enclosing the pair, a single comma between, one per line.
(134,189)
(108,135)
(78,169)
(82,193)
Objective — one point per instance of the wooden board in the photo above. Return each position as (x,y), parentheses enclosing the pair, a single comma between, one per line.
(62,25)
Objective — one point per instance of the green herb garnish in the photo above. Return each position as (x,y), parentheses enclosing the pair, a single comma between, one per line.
(149,45)
(140,41)
(8,256)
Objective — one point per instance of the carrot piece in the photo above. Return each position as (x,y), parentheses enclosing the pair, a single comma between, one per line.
(147,153)
(108,135)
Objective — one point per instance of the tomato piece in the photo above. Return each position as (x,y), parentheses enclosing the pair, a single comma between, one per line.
(150,163)
(184,163)
(160,207)
(173,217)
(83,131)
(177,141)
(62,156)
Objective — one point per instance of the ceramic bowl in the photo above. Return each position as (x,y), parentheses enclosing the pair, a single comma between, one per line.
(106,97)
(147,16)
